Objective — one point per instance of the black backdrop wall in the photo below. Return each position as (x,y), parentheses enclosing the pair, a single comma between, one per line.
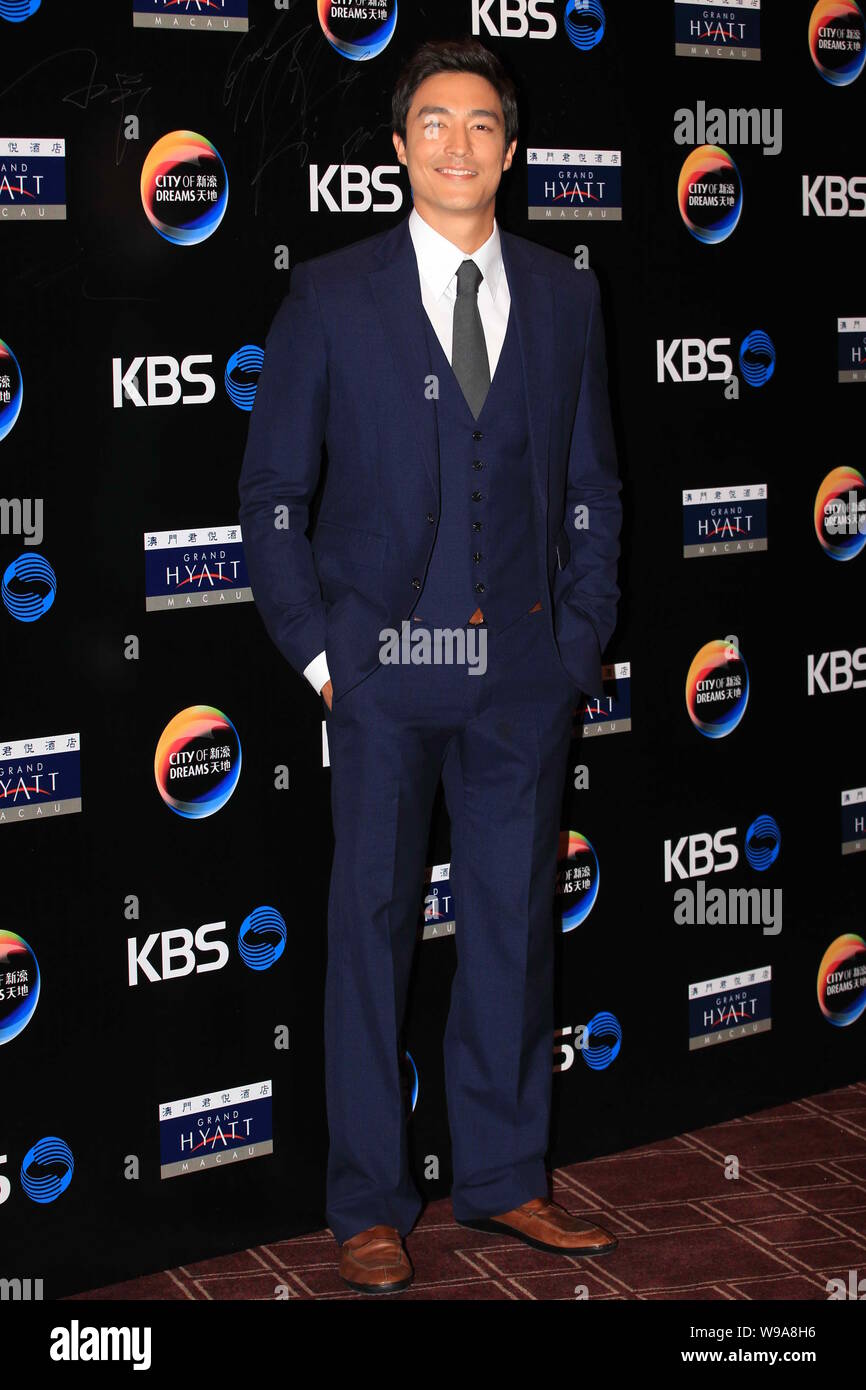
(195,1053)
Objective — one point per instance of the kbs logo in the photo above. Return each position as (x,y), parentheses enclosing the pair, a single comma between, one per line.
(704,854)
(162,381)
(831,672)
(692,359)
(354,188)
(585,1040)
(831,195)
(513,18)
(177,954)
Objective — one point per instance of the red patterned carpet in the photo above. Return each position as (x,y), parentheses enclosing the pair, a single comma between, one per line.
(794,1218)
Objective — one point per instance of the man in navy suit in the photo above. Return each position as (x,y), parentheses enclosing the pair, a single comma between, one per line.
(456,374)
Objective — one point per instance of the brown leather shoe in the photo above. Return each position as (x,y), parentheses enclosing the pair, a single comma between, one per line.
(374,1261)
(542,1224)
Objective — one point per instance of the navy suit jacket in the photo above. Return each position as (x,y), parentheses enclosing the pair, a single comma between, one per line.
(347,364)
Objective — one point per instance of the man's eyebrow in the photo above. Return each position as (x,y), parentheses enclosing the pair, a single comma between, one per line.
(449,111)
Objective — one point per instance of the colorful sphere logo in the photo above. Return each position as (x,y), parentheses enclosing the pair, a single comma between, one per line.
(840,513)
(16,11)
(717,689)
(842,980)
(837,40)
(763,842)
(184,188)
(262,938)
(21,972)
(29,587)
(710,193)
(358,38)
(757,358)
(577,878)
(11,389)
(242,375)
(50,1152)
(584,23)
(197,762)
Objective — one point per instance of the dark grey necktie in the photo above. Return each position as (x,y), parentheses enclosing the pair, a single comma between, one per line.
(468,348)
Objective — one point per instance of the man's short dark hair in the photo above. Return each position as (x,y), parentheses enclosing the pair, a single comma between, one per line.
(453,55)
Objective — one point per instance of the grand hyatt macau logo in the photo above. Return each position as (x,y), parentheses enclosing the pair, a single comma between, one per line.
(732,30)
(837,40)
(215,1130)
(574,184)
(11,389)
(184,188)
(842,980)
(690,360)
(32,179)
(840,513)
(717,688)
(358,32)
(207,16)
(197,761)
(577,879)
(19,984)
(195,568)
(724,520)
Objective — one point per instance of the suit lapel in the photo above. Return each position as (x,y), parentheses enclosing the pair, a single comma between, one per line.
(398,295)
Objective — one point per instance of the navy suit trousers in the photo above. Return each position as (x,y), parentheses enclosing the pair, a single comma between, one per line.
(500,742)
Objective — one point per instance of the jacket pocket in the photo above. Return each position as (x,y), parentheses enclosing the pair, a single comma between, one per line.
(334,541)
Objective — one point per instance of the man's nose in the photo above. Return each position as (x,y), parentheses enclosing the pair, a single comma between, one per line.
(458,142)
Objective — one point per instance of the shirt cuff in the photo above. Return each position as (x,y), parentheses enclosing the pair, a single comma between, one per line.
(317,672)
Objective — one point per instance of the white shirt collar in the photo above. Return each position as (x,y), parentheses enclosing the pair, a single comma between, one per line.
(439,259)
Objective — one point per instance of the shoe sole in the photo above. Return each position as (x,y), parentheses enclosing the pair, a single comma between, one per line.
(497,1228)
(378,1288)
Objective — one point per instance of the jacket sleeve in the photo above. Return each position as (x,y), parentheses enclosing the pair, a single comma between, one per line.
(589,593)
(280,473)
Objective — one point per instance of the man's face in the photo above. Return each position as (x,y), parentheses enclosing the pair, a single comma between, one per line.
(455,143)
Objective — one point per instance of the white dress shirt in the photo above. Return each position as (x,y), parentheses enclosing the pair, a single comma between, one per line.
(438,262)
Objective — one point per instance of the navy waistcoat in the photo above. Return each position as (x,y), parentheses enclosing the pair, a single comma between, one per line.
(485,535)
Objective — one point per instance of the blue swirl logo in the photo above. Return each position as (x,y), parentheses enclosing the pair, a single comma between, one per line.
(584,23)
(16,11)
(245,363)
(763,839)
(262,938)
(409,1079)
(33,602)
(50,1152)
(607,1026)
(757,358)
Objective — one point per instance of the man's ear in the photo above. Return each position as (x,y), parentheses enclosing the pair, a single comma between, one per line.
(399,147)
(509,155)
